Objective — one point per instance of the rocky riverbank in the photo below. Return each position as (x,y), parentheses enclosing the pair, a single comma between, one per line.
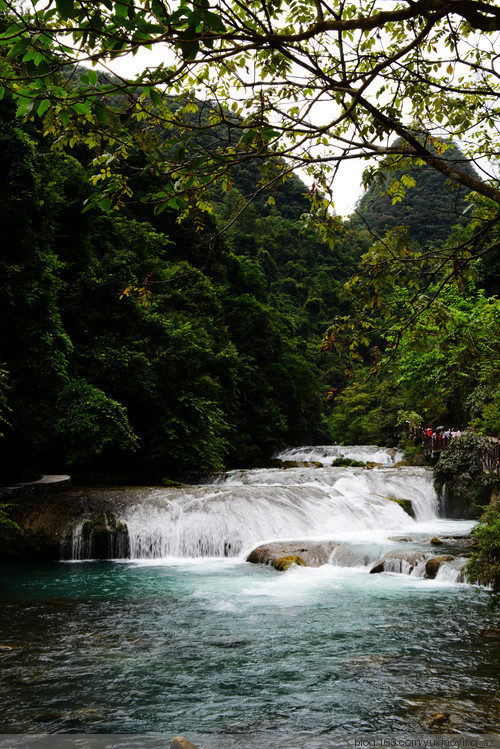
(44,521)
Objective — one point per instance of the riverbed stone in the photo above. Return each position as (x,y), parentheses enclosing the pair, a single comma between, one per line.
(432,565)
(437,719)
(179,742)
(492,632)
(311,553)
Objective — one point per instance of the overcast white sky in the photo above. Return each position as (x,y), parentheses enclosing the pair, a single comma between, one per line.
(347,188)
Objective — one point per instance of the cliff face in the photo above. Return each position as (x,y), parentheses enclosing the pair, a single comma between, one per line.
(459,506)
(46,522)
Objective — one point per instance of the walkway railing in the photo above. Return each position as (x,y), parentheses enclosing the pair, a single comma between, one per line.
(434,444)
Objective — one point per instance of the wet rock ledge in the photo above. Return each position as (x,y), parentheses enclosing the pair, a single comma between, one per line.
(281,555)
(42,523)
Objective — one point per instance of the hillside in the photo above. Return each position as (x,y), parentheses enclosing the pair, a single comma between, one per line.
(430,208)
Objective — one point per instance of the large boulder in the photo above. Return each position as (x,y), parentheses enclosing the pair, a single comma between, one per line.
(278,553)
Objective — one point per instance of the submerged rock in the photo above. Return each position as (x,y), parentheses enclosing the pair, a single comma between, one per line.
(179,742)
(87,715)
(437,719)
(310,553)
(493,632)
(463,541)
(405,504)
(399,560)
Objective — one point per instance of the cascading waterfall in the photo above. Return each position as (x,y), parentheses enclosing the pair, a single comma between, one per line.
(244,508)
(363,510)
(327,453)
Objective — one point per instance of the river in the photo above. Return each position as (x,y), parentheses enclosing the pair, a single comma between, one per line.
(184,636)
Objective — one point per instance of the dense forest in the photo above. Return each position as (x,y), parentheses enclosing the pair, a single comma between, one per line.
(215,360)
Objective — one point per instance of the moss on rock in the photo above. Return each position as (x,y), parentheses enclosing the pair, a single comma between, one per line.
(283,563)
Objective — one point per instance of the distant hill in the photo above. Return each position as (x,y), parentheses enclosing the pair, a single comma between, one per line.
(431,208)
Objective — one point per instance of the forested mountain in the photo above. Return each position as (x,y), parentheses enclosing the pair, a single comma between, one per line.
(216,359)
(438,317)
(217,367)
(418,197)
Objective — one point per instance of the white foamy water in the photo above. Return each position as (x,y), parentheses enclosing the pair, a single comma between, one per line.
(326,453)
(247,507)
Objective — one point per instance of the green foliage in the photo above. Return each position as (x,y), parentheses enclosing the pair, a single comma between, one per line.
(408,418)
(4,402)
(428,203)
(451,353)
(347,462)
(460,467)
(91,424)
(211,370)
(375,69)
(487,422)
(365,411)
(8,527)
(484,563)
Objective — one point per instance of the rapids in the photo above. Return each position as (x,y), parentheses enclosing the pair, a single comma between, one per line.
(243,508)
(184,636)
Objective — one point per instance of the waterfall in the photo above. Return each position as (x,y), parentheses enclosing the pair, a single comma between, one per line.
(326,453)
(245,507)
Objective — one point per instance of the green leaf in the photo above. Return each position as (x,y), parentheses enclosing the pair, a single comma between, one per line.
(105,203)
(155,96)
(81,107)
(65,8)
(214,22)
(42,107)
(121,10)
(100,112)
(18,49)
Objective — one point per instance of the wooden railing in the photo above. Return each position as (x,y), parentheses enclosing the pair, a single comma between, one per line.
(434,444)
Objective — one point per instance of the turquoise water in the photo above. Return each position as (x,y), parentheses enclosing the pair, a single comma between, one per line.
(231,654)
(225,647)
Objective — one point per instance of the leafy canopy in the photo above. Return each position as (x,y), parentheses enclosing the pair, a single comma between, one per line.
(317,83)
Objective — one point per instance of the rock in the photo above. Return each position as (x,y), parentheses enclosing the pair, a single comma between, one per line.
(311,553)
(436,541)
(405,505)
(283,563)
(432,565)
(87,715)
(179,742)
(399,560)
(437,719)
(46,522)
(48,716)
(493,632)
